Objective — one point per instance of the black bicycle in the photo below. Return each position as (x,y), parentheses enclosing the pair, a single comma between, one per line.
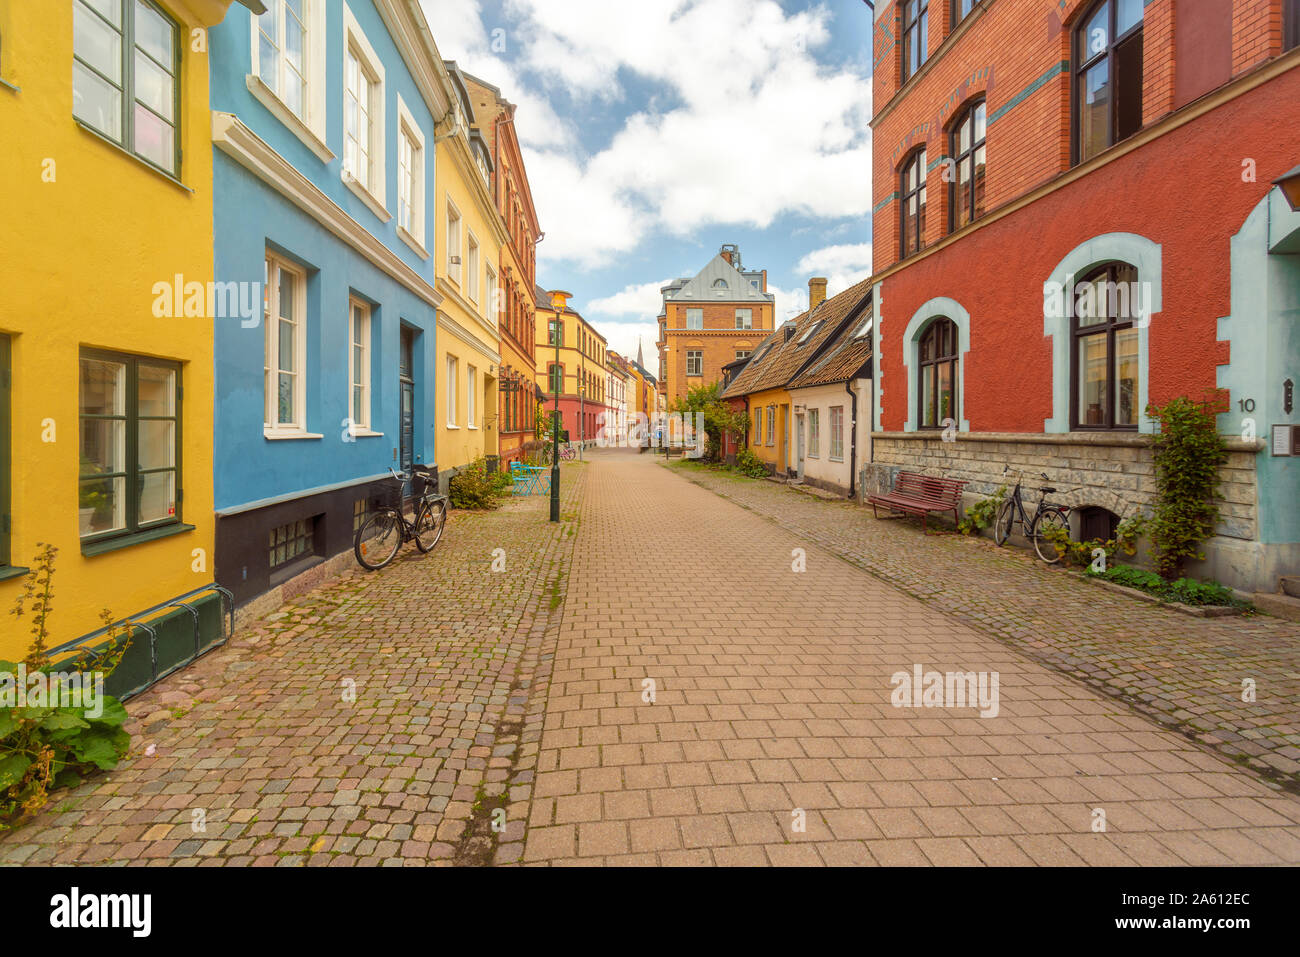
(386,528)
(1046,516)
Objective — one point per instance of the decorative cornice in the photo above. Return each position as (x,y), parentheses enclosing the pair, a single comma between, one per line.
(236,140)
(410,32)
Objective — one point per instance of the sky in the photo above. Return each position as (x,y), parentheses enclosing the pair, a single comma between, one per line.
(655,131)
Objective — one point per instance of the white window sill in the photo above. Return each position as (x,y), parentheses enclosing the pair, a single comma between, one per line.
(840,460)
(312,139)
(451,425)
(472,428)
(283,435)
(367,197)
(414,243)
(365,434)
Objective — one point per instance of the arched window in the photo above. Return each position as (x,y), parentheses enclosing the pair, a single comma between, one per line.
(1104,344)
(916,23)
(1107,76)
(912,205)
(966,147)
(937,382)
(719,284)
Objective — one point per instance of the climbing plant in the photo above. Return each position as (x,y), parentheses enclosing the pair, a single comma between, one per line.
(1188,452)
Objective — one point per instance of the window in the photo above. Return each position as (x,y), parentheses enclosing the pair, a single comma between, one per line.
(719,283)
(554,328)
(453,243)
(363,113)
(410,174)
(961,10)
(771,425)
(758,426)
(694,362)
(359,366)
(5,440)
(966,147)
(1291,25)
(837,433)
(554,378)
(129,444)
(292,541)
(360,509)
(471,268)
(938,378)
(1107,76)
(743,353)
(916,24)
(453,389)
(490,303)
(279,53)
(912,206)
(814,432)
(744,318)
(285,323)
(694,318)
(125,64)
(1105,350)
(471,396)
(811,331)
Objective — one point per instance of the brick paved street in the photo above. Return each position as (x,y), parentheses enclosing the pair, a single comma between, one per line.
(525,689)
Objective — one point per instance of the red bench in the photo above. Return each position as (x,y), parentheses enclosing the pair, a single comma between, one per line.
(917,494)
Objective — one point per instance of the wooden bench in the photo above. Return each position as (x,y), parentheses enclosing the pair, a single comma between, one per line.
(917,494)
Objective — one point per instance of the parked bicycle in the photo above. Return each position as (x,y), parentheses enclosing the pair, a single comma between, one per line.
(567,453)
(387,528)
(1035,528)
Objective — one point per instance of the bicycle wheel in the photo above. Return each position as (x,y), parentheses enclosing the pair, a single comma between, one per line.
(429,526)
(378,539)
(1002,528)
(1044,546)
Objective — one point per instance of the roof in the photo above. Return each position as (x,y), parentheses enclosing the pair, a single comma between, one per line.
(737,286)
(778,359)
(840,363)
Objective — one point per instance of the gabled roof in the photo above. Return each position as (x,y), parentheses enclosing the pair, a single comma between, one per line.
(841,362)
(777,360)
(737,287)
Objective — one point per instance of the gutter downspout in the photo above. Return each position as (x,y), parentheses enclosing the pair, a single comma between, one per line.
(853,440)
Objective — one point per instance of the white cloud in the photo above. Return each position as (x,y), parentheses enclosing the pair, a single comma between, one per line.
(842,265)
(759,128)
(643,300)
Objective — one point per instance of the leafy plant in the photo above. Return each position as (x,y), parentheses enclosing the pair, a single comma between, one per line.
(92,495)
(1185,590)
(718,416)
(747,463)
(981,515)
(48,745)
(1075,553)
(1188,452)
(474,488)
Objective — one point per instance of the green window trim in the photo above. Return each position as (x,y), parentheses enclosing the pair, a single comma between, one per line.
(133,529)
(6,462)
(126,88)
(117,542)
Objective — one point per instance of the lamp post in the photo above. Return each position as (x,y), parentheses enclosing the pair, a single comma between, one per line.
(559,301)
(582,415)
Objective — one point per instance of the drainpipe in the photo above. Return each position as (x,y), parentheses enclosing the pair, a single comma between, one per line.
(853,439)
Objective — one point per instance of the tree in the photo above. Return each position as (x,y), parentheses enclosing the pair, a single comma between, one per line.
(717,416)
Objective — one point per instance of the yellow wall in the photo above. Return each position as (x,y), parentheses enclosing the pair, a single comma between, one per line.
(467,329)
(775,453)
(88,230)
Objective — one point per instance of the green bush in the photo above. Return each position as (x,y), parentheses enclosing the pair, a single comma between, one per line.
(473,488)
(46,745)
(1187,452)
(1185,590)
(1081,553)
(747,463)
(981,515)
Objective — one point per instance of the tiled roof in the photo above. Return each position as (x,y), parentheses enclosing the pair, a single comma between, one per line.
(840,363)
(777,360)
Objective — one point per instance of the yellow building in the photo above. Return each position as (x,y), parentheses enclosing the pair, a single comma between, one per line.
(468,238)
(105,372)
(580,376)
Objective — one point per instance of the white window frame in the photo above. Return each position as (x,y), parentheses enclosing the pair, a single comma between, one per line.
(272,427)
(473,261)
(412,181)
(758,426)
(490,286)
(698,356)
(814,433)
(688,318)
(836,450)
(455,242)
(373,191)
(310,126)
(746,321)
(452,391)
(771,425)
(471,397)
(359,425)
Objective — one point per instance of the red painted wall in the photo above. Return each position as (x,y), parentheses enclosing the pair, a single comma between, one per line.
(1184,191)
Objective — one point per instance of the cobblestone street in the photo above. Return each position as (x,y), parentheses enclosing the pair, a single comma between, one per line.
(653,682)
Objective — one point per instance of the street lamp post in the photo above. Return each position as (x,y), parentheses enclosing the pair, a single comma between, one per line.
(582,415)
(559,300)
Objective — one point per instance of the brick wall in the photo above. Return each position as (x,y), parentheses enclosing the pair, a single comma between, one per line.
(718,340)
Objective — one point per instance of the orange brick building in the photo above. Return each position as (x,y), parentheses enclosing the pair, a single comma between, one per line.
(710,320)
(1027,151)
(516,306)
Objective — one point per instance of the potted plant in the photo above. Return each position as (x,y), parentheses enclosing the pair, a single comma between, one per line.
(93,499)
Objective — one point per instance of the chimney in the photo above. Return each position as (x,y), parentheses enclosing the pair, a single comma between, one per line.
(816,292)
(764,280)
(726,254)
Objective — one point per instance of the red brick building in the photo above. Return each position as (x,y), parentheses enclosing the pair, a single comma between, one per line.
(1029,154)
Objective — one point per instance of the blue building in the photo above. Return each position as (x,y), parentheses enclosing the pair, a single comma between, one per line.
(325,116)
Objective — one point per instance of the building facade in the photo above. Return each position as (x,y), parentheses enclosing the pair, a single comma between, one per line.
(1161,265)
(516,308)
(467,257)
(326,195)
(106,385)
(709,320)
(579,377)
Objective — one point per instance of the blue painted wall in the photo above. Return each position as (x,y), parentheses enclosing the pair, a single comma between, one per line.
(252,218)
